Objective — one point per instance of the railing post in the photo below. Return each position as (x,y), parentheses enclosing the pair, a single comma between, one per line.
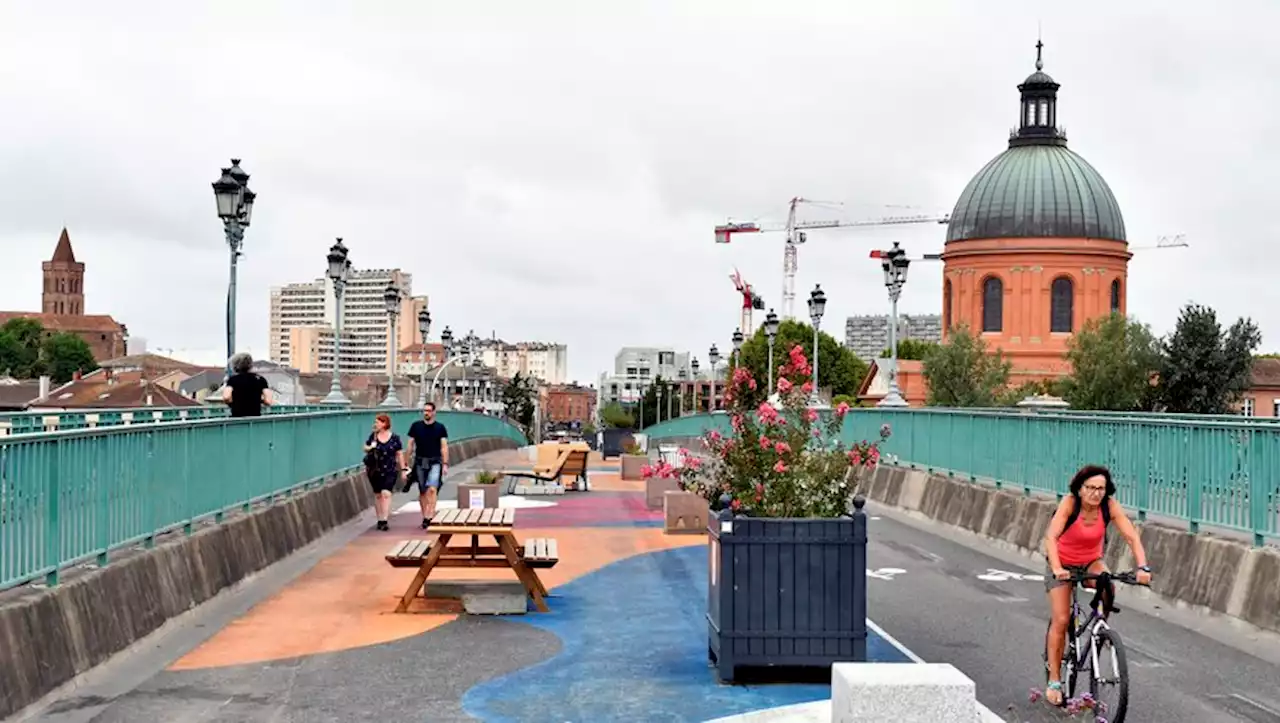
(52,529)
(149,486)
(860,579)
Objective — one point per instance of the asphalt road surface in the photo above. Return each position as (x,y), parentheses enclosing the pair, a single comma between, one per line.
(925,590)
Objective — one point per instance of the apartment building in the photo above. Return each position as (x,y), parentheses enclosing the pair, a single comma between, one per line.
(546,362)
(868,336)
(302,317)
(636,367)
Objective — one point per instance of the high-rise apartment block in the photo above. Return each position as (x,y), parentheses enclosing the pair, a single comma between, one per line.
(546,362)
(868,336)
(303,316)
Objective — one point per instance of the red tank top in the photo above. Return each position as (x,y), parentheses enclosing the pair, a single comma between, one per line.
(1081,544)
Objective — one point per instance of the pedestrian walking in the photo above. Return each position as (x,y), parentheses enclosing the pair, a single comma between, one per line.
(245,392)
(429,442)
(383,462)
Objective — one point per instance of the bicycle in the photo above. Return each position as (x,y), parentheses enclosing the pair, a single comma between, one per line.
(1092,641)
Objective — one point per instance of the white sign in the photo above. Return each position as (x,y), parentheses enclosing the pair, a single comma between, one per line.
(476,498)
(993,575)
(885,573)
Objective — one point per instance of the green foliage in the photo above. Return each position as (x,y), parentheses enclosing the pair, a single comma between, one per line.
(916,349)
(485,477)
(1114,361)
(840,371)
(615,417)
(1205,370)
(27,352)
(630,447)
(960,372)
(658,397)
(518,396)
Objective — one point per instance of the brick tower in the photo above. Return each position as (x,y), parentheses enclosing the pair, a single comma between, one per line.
(63,281)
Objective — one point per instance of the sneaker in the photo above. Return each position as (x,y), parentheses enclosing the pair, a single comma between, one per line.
(425,523)
(384,526)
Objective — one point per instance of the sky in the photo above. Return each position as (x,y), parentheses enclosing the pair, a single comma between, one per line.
(553,171)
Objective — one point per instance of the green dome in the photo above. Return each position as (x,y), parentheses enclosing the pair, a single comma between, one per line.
(1037,190)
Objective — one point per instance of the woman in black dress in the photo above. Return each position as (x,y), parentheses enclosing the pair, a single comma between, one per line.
(383,459)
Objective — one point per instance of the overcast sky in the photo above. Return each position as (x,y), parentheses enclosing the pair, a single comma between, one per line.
(552,171)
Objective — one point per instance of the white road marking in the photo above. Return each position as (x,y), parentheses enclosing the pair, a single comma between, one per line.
(993,575)
(514,501)
(885,573)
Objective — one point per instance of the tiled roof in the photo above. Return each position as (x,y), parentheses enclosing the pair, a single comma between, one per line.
(150,362)
(118,395)
(1265,373)
(18,395)
(63,252)
(96,323)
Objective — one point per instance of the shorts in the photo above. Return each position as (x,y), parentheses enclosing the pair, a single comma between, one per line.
(1051,582)
(382,482)
(428,472)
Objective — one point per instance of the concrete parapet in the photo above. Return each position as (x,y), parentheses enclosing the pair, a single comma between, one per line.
(920,693)
(1203,571)
(50,636)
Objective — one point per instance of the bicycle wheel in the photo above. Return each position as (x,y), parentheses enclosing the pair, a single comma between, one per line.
(1109,676)
(1067,669)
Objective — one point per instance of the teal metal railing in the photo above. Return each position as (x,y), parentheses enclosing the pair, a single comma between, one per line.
(1223,472)
(36,422)
(74,496)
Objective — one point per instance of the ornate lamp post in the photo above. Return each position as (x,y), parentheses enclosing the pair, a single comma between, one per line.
(424,327)
(817,305)
(339,272)
(392,298)
(894,263)
(771,333)
(235,208)
(446,341)
(714,357)
(737,347)
(697,393)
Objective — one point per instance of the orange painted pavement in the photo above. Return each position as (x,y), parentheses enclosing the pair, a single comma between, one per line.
(347,600)
(613,482)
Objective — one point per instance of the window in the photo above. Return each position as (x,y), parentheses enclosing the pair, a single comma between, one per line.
(1061,303)
(1044,112)
(1275,408)
(992,304)
(1031,114)
(1115,296)
(1248,407)
(946,304)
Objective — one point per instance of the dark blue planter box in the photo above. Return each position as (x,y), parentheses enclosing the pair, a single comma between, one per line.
(787,592)
(614,440)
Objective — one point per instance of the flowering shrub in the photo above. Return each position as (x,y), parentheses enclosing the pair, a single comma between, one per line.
(785,461)
(685,475)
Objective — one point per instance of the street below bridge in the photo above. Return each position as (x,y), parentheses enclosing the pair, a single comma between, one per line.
(952,597)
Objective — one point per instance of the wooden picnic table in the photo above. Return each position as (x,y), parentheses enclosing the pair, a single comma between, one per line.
(499,523)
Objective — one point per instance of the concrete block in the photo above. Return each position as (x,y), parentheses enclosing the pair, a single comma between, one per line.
(684,513)
(1261,598)
(631,464)
(913,483)
(484,597)
(655,488)
(903,693)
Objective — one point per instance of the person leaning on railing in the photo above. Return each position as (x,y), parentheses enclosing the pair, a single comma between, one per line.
(245,392)
(1075,543)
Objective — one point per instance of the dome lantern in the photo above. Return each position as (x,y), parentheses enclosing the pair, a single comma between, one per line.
(1038,114)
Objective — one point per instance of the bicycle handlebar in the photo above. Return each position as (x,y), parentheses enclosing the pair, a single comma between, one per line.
(1129,577)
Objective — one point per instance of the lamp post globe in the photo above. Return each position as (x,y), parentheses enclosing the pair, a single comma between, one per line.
(226,191)
(817,303)
(737,345)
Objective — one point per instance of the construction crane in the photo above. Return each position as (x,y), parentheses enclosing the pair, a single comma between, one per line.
(1165,242)
(795,235)
(750,301)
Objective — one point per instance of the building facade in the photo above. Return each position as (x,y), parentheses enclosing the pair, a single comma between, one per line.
(366,340)
(548,363)
(62,305)
(567,403)
(868,336)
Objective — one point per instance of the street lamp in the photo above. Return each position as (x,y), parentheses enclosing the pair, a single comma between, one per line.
(424,327)
(697,393)
(446,344)
(737,347)
(339,272)
(391,296)
(817,305)
(714,357)
(894,263)
(235,208)
(771,333)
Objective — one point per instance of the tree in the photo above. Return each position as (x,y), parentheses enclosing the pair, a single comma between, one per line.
(961,373)
(840,371)
(614,416)
(64,354)
(916,349)
(654,404)
(1203,369)
(518,398)
(1113,362)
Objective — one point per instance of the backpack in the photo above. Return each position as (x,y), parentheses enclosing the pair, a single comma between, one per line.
(1105,509)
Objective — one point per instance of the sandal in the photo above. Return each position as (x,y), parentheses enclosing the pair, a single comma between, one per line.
(1056,687)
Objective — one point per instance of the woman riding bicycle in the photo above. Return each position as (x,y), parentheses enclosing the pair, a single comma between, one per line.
(1074,544)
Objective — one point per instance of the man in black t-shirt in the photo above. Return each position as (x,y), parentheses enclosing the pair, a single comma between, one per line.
(245,392)
(429,445)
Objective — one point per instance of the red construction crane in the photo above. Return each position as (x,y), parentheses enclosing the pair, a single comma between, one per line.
(795,231)
(750,301)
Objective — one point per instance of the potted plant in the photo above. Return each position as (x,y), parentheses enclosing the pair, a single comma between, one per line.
(633,459)
(789,536)
(677,491)
(481,491)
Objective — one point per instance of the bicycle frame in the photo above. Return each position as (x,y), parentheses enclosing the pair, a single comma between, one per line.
(1080,638)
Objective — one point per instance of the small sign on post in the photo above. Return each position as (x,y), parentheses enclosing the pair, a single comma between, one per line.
(475,498)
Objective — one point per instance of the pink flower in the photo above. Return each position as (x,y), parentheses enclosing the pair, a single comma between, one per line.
(782,448)
(842,409)
(767,414)
(855,458)
(765,442)
(812,415)
(646,470)
(736,420)
(759,491)
(693,462)
(735,504)
(714,436)
(807,388)
(784,385)
(780,467)
(817,432)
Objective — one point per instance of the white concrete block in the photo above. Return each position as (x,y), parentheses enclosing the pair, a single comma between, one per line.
(902,693)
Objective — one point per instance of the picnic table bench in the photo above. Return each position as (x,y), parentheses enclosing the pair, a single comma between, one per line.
(427,555)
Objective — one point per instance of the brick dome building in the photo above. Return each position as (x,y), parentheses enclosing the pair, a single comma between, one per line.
(1036,245)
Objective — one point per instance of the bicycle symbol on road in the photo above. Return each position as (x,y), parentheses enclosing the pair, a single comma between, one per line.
(993,575)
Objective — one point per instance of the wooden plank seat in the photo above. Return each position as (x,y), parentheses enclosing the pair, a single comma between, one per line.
(540,552)
(571,463)
(408,553)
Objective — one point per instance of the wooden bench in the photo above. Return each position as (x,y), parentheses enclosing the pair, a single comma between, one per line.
(571,464)
(540,552)
(409,553)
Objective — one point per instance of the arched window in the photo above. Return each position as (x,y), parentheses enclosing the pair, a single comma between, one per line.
(1115,296)
(946,304)
(1061,303)
(992,304)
